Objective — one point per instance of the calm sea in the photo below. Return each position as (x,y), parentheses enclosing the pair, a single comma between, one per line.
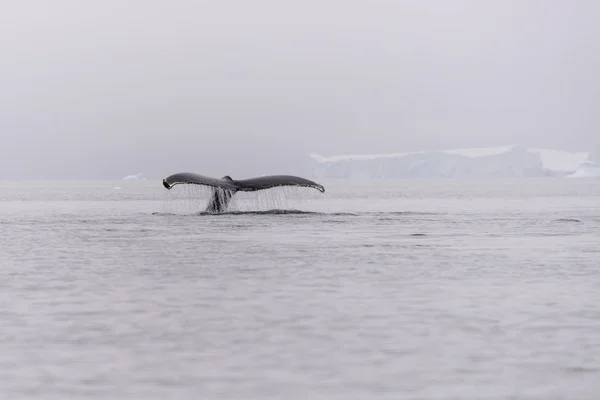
(373,290)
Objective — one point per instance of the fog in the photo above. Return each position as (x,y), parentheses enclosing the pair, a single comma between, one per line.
(98,90)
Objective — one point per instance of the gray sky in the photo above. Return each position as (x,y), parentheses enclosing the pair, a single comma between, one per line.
(107,88)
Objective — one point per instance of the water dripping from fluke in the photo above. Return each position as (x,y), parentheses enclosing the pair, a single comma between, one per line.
(229,195)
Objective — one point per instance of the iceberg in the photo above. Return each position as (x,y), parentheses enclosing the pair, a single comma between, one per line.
(496,162)
(587,169)
(138,177)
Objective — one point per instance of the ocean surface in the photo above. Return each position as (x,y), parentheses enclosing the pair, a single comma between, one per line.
(373,290)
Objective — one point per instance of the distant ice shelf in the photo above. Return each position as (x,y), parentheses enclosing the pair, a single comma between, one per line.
(495,162)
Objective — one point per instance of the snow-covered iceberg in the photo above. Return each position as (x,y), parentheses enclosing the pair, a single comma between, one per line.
(587,169)
(138,177)
(499,162)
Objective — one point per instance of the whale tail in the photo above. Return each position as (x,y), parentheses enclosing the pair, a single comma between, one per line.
(226,187)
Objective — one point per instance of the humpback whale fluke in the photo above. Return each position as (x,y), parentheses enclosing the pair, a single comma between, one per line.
(226,187)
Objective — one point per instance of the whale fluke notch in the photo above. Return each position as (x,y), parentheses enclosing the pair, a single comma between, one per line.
(226,187)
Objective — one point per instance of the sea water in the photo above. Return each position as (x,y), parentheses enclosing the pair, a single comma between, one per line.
(374,290)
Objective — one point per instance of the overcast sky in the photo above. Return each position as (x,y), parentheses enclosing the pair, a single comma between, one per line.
(101,89)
